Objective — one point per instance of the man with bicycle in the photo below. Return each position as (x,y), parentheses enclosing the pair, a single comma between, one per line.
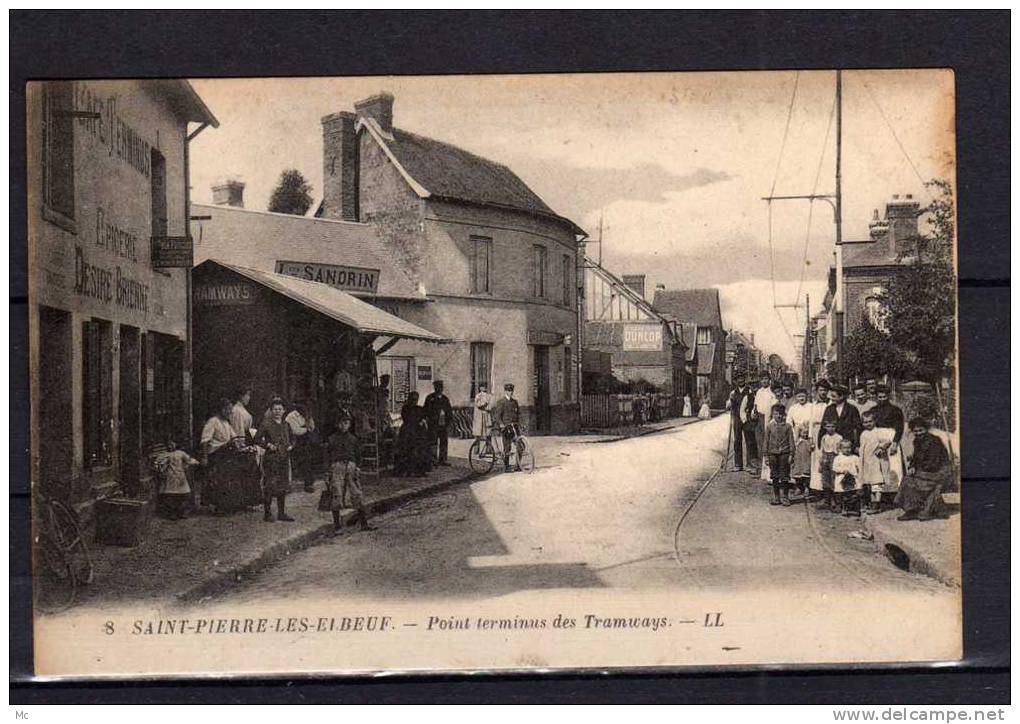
(506,416)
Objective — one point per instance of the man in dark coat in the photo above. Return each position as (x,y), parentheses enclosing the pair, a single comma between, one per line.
(847,418)
(888,415)
(506,416)
(438,414)
(741,405)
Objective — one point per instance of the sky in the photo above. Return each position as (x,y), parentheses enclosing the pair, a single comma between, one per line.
(674,165)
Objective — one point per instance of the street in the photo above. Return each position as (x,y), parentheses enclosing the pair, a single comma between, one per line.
(592,516)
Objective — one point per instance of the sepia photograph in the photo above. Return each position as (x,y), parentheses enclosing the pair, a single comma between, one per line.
(425,374)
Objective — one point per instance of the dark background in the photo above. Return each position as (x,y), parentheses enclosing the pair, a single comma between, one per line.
(237,43)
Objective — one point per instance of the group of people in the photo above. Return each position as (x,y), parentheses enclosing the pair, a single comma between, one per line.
(424,437)
(244,465)
(843,449)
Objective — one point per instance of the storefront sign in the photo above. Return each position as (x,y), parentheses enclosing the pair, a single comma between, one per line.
(109,129)
(424,373)
(108,285)
(170,252)
(225,294)
(347,278)
(642,337)
(544,339)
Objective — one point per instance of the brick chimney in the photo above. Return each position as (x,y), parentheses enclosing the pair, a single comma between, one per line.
(378,107)
(340,167)
(636,282)
(901,216)
(229,193)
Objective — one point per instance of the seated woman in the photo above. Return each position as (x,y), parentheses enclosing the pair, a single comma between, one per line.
(231,476)
(920,495)
(412,455)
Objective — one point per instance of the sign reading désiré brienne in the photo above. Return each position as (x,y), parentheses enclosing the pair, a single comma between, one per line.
(169,252)
(348,278)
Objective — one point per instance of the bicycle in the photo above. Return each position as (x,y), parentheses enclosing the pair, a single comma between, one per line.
(61,559)
(485,451)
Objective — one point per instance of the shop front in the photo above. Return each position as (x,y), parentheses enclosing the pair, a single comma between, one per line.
(278,335)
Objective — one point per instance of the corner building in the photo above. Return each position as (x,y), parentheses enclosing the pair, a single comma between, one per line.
(499,266)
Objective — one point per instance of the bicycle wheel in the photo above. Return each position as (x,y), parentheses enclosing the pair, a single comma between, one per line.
(481,456)
(525,458)
(53,581)
(65,531)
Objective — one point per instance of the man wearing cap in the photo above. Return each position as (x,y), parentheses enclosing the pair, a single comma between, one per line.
(506,415)
(741,403)
(438,414)
(764,399)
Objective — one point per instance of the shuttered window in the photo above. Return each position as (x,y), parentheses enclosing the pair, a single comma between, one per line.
(540,269)
(58,152)
(481,265)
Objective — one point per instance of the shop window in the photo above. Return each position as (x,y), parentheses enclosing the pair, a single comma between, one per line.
(481,367)
(158,184)
(704,335)
(168,382)
(568,290)
(481,265)
(540,261)
(97,393)
(58,153)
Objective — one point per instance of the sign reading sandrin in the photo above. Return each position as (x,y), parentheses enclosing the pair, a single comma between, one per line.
(347,278)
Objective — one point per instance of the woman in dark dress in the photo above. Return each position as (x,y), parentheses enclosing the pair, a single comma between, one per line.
(412,455)
(920,494)
(231,475)
(275,436)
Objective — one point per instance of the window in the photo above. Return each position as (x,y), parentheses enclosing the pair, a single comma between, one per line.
(158,183)
(481,264)
(704,335)
(481,367)
(97,393)
(540,261)
(874,309)
(568,292)
(58,153)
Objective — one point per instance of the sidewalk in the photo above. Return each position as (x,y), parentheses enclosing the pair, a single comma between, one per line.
(930,547)
(190,559)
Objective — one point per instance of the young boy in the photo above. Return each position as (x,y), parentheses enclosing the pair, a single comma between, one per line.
(174,490)
(778,445)
(801,471)
(847,469)
(344,453)
(829,448)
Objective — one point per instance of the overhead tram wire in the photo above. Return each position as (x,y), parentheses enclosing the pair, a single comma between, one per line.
(913,166)
(811,206)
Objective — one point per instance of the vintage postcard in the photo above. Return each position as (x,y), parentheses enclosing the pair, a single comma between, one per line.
(501,373)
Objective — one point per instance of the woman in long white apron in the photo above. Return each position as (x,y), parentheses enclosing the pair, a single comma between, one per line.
(817,412)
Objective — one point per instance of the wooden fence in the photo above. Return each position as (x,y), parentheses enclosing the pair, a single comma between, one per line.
(606,410)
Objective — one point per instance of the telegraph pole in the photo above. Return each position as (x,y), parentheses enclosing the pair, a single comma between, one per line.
(840,290)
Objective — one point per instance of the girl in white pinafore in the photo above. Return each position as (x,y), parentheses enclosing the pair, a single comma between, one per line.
(817,412)
(880,470)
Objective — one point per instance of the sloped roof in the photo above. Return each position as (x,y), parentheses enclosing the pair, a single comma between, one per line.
(700,306)
(444,171)
(706,358)
(868,254)
(333,303)
(258,239)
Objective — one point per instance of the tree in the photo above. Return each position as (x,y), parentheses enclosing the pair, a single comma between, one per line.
(292,195)
(920,298)
(870,351)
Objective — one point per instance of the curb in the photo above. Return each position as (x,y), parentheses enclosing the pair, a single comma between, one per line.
(304,539)
(917,562)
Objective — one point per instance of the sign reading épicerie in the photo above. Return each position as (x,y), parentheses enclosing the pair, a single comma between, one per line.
(347,278)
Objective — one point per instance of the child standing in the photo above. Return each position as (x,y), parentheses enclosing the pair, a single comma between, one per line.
(801,471)
(876,472)
(344,453)
(847,470)
(778,443)
(829,448)
(275,436)
(174,490)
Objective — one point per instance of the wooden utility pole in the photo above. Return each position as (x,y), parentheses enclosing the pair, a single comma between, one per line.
(840,287)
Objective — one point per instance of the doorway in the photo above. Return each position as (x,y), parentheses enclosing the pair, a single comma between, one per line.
(543,413)
(129,410)
(56,442)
